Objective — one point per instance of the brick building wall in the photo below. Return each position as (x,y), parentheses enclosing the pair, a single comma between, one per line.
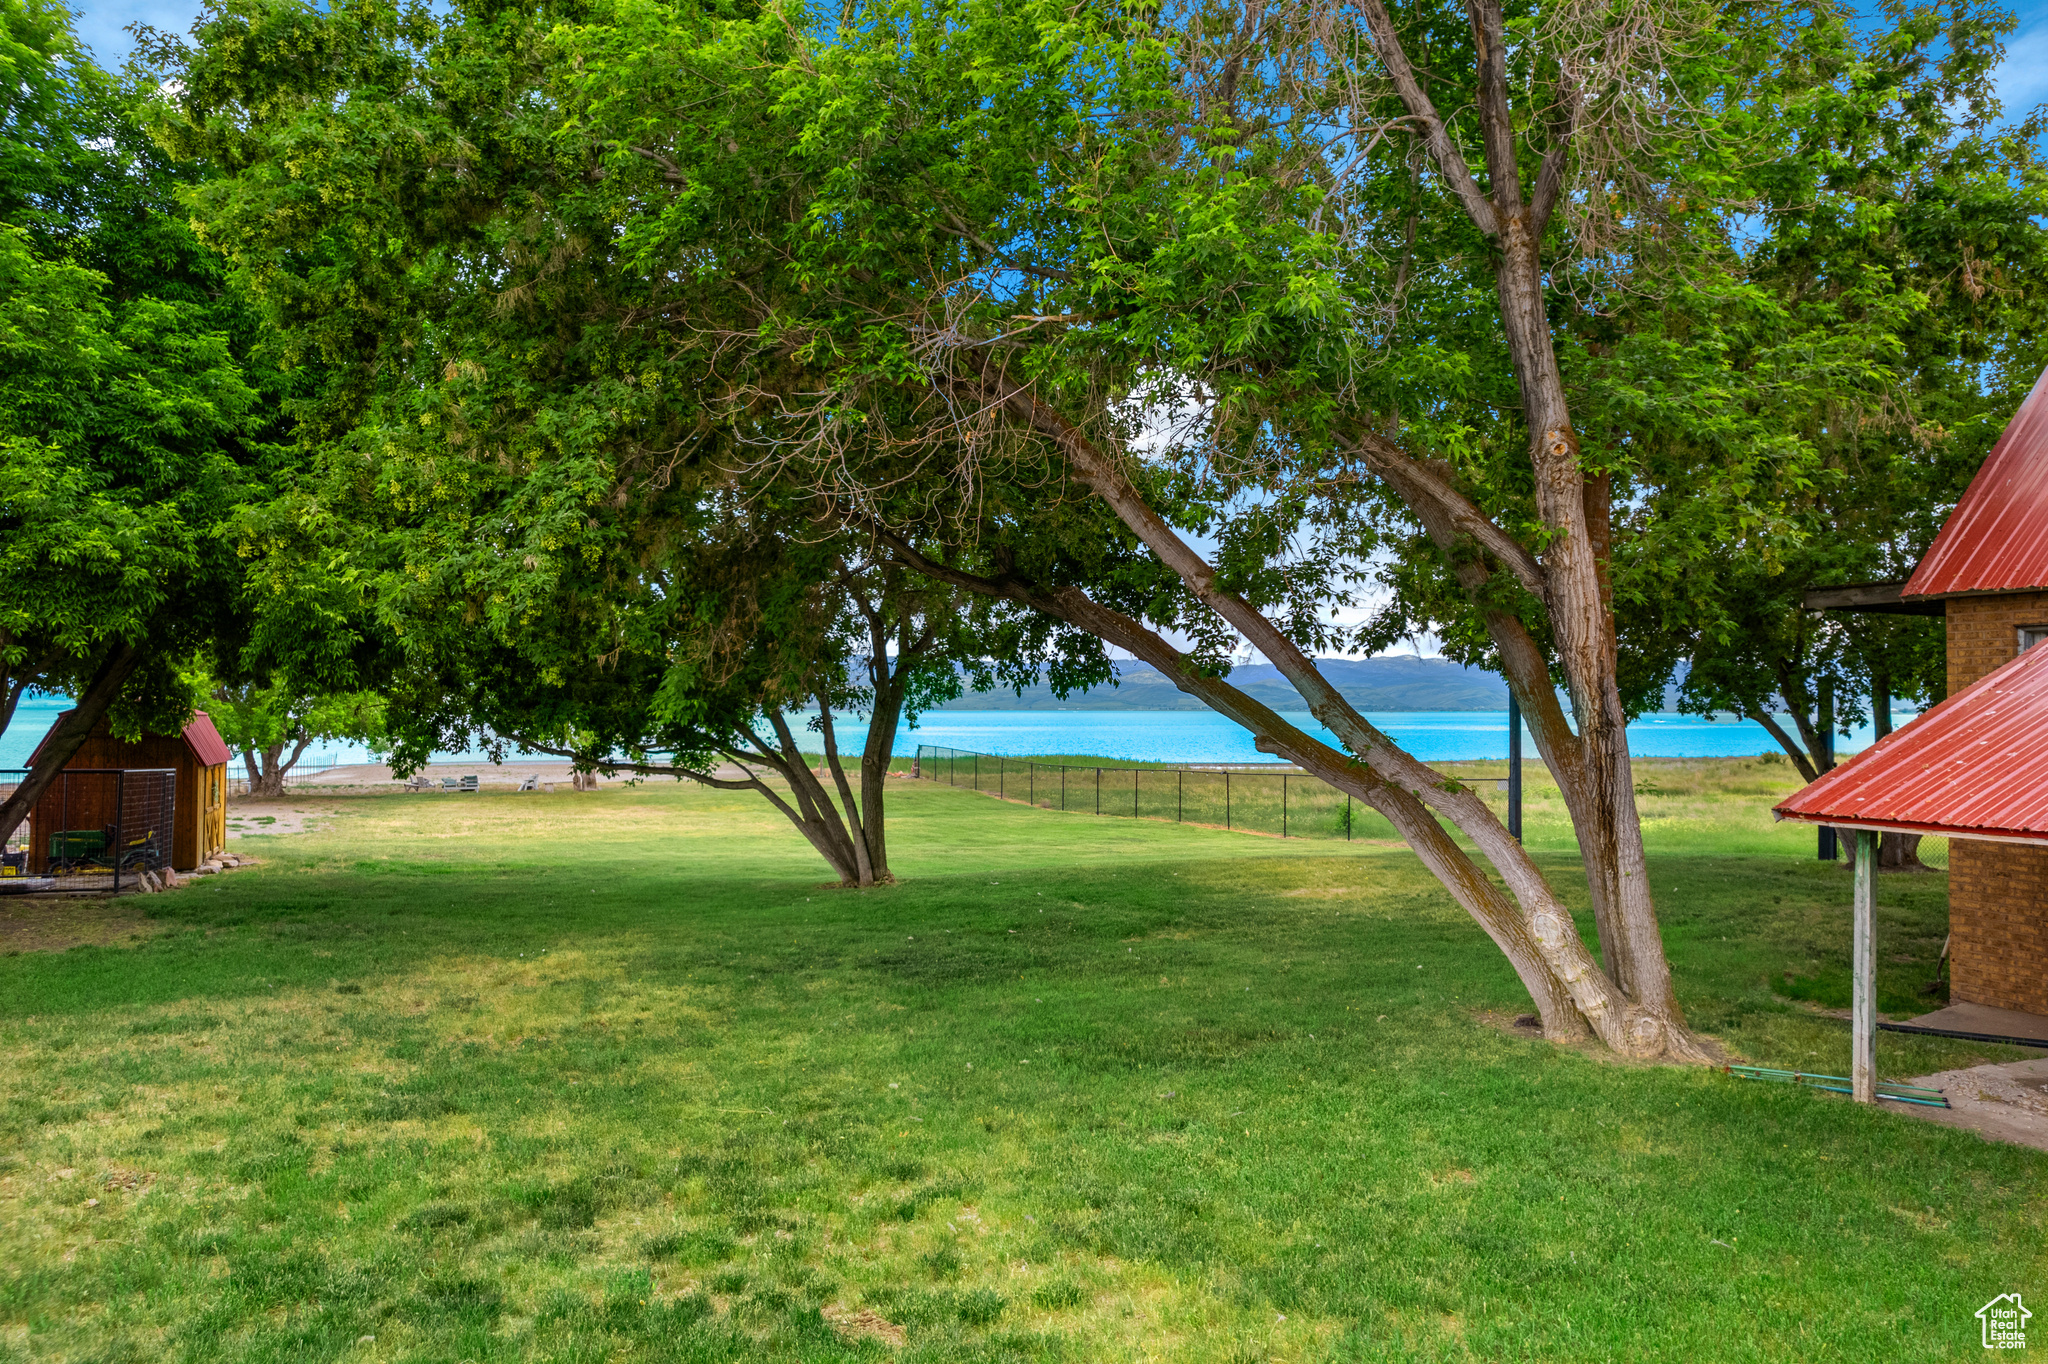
(1983,632)
(1997,892)
(1998,916)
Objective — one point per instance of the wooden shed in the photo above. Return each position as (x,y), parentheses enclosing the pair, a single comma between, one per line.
(198,755)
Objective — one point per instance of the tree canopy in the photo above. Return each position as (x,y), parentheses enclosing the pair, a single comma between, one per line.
(134,416)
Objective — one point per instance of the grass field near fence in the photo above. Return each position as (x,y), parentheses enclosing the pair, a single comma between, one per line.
(612,1076)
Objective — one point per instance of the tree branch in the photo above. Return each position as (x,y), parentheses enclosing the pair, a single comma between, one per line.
(1421,483)
(1496,121)
(1450,162)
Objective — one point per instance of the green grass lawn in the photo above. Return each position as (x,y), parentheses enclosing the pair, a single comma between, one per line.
(613,1077)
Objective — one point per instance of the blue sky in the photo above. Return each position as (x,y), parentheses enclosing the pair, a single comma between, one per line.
(2023,79)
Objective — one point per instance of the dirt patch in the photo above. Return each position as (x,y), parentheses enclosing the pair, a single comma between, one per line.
(866,1322)
(2006,1102)
(52,923)
(1526,1026)
(247,817)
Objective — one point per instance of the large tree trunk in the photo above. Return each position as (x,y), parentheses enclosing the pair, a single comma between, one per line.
(1899,852)
(268,769)
(1592,767)
(69,734)
(874,770)
(853,831)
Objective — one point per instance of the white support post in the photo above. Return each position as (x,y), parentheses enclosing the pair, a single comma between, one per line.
(1863,970)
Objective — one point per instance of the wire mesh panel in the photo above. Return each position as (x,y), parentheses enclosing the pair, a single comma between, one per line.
(93,829)
(13,842)
(1270,798)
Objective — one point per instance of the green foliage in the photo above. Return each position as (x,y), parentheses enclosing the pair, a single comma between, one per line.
(131,423)
(272,724)
(1808,407)
(538,490)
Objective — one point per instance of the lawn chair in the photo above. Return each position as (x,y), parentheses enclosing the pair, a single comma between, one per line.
(469,784)
(451,784)
(417,782)
(532,783)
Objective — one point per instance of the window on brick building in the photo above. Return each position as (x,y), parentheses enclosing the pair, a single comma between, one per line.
(2030,635)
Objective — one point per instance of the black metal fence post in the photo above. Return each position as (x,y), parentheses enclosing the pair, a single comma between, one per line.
(1347,816)
(1283,805)
(1135,774)
(1514,768)
(1179,792)
(1226,799)
(1098,790)
(1828,849)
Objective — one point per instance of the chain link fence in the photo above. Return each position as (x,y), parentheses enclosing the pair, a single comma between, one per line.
(1266,798)
(303,771)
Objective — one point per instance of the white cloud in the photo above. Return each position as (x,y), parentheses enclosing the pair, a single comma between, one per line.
(2022,78)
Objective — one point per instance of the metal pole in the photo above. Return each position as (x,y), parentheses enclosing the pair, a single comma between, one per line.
(1828,851)
(1226,798)
(1283,805)
(1180,782)
(1347,816)
(1863,968)
(1063,786)
(1031,782)
(1514,767)
(120,823)
(1135,772)
(1098,790)
(977,771)
(1002,768)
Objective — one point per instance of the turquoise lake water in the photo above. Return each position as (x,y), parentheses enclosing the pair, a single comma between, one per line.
(1156,735)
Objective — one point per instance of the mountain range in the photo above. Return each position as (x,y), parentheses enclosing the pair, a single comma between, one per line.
(1395,682)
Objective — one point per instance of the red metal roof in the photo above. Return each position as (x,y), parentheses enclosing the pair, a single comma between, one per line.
(1996,540)
(1973,767)
(200,737)
(205,741)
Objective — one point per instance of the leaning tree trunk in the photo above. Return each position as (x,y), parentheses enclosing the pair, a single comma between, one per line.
(69,734)
(1529,924)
